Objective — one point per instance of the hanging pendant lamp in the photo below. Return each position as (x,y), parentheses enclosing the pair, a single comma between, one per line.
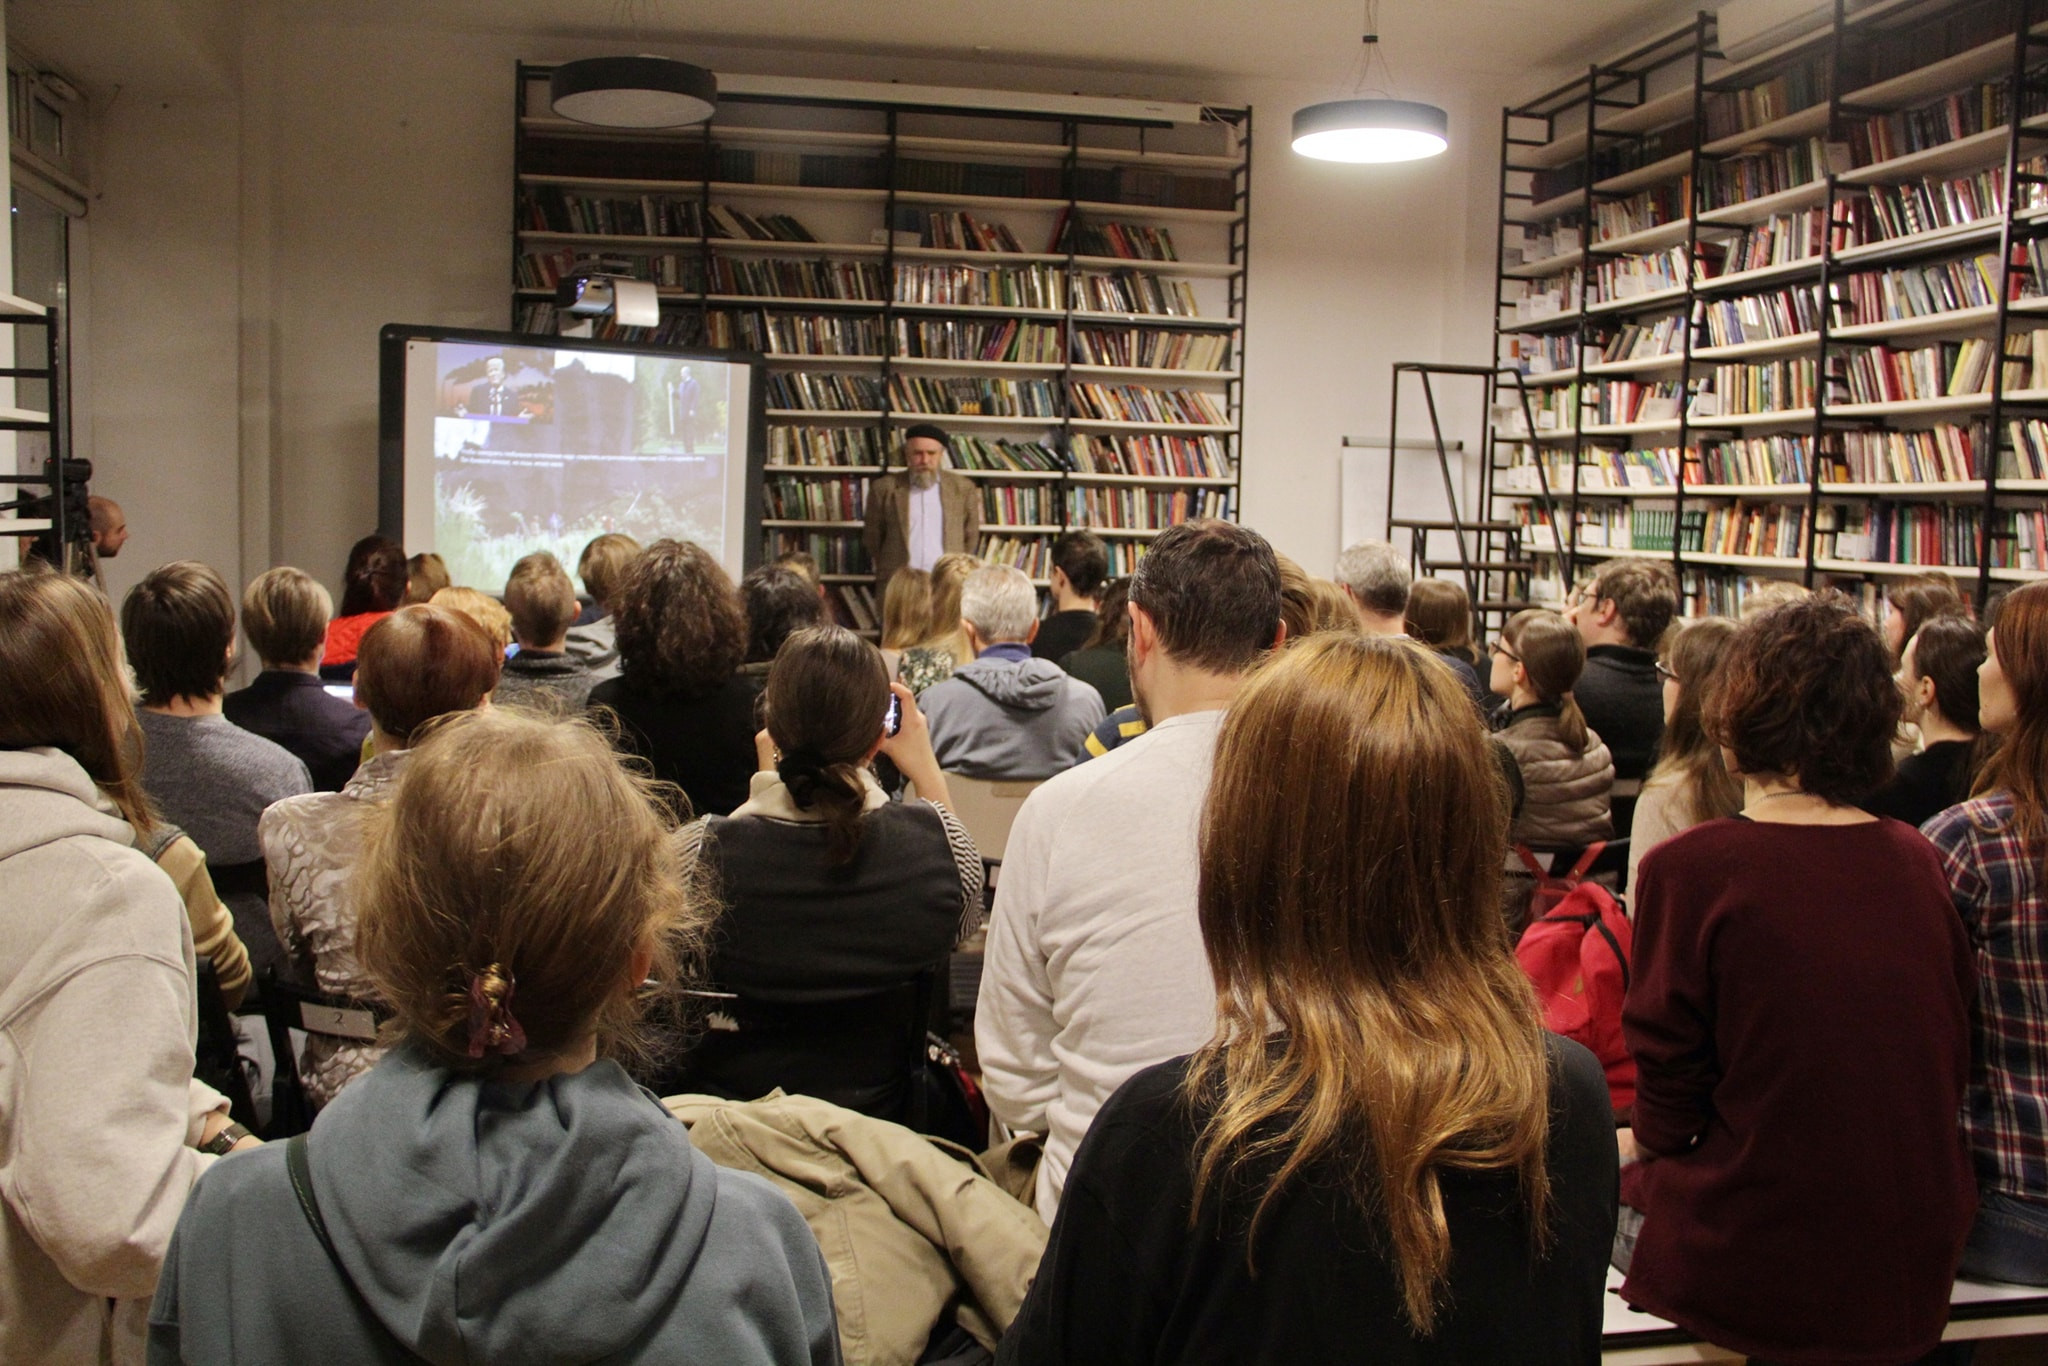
(1371,127)
(633,92)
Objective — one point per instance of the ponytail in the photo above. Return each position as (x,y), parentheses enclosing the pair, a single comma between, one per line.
(1552,657)
(1571,723)
(835,791)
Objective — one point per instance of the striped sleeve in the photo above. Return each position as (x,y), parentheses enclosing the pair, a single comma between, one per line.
(967,859)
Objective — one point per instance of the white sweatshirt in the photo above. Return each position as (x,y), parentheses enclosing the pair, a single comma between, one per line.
(1095,967)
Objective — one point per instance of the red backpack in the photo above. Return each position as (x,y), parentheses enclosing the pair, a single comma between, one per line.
(1576,952)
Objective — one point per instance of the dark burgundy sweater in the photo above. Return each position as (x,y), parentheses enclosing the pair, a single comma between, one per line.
(1799,1018)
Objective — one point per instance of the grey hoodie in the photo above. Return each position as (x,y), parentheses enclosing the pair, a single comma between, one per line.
(1007,719)
(566,1220)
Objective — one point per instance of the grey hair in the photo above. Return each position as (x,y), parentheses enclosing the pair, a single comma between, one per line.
(999,602)
(1377,575)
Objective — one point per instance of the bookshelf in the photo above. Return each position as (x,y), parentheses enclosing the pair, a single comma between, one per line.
(1784,317)
(1063,292)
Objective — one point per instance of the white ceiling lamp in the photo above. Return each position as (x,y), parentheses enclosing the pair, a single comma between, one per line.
(633,92)
(1372,125)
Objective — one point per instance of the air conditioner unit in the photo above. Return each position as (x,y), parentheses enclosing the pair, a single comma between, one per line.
(1747,27)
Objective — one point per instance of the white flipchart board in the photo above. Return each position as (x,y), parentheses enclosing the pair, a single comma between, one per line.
(1362,487)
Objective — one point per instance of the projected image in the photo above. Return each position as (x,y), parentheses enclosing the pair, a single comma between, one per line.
(540,448)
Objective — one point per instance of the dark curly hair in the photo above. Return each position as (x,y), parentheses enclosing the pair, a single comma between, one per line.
(681,632)
(1806,691)
(777,601)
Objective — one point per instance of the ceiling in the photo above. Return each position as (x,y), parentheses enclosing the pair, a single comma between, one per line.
(1524,44)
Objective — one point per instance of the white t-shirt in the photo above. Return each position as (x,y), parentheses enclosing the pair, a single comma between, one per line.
(1095,967)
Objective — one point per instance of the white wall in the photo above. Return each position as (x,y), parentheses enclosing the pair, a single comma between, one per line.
(246,250)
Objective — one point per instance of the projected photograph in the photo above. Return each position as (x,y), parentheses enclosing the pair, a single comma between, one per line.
(543,448)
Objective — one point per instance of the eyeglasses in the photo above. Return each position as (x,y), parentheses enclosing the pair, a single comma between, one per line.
(1501,648)
(1665,672)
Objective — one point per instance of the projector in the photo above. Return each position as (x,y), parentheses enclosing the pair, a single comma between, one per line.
(590,295)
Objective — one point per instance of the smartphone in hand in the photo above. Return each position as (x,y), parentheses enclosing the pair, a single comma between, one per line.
(892,719)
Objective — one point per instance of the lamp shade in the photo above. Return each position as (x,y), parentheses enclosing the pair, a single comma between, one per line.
(633,92)
(1370,130)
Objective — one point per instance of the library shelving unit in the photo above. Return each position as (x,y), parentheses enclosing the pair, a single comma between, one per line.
(1784,317)
(60,503)
(1062,291)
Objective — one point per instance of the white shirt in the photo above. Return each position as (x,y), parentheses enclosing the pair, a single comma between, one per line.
(927,527)
(1095,967)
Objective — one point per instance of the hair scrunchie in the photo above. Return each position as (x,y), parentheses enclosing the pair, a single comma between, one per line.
(492,1026)
(801,770)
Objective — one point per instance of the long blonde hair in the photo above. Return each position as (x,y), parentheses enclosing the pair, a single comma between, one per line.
(949,574)
(906,609)
(1350,896)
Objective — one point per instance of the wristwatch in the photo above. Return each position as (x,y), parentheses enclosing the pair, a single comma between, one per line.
(221,1143)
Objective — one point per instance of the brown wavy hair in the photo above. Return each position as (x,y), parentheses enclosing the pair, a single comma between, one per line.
(422,662)
(1921,599)
(375,577)
(827,692)
(906,608)
(681,632)
(1806,691)
(2019,637)
(62,684)
(1440,616)
(1553,656)
(519,861)
(1350,896)
(1694,653)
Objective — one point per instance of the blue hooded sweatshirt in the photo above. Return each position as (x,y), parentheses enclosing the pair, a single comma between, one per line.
(565,1220)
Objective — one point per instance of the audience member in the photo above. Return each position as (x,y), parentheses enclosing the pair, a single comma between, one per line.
(1424,1172)
(106,1129)
(1004,715)
(1101,662)
(372,587)
(204,772)
(777,602)
(1621,614)
(681,702)
(1120,727)
(1770,593)
(602,567)
(1799,1017)
(933,659)
(835,896)
(420,663)
(1440,616)
(1080,566)
(109,526)
(1375,577)
(1938,681)
(806,564)
(483,609)
(284,614)
(497,1188)
(1094,967)
(1690,784)
(1567,772)
(906,614)
(425,575)
(1301,605)
(1992,850)
(542,603)
(1911,603)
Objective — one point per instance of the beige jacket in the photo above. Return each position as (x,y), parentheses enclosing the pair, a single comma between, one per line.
(213,926)
(907,1224)
(887,530)
(1566,790)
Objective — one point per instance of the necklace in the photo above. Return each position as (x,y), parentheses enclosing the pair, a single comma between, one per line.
(1785,792)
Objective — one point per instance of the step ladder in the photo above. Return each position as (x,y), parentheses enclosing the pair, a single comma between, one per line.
(1495,552)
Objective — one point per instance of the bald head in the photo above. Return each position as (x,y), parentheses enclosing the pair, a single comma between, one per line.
(109,526)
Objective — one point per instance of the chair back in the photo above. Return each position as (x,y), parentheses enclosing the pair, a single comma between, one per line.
(287,1006)
(988,808)
(217,1054)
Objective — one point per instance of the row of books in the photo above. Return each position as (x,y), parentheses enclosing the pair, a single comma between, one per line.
(1650,208)
(1132,241)
(1011,339)
(550,208)
(1626,400)
(1780,240)
(1961,114)
(917,175)
(974,395)
(1920,291)
(1760,317)
(1036,285)
(835,554)
(2027,455)
(1757,174)
(817,500)
(961,231)
(826,446)
(796,334)
(1019,504)
(1139,403)
(1033,555)
(1723,592)
(1143,509)
(824,391)
(1627,277)
(1131,291)
(857,606)
(1878,374)
(1776,529)
(1155,454)
(788,278)
(1728,112)
(1152,348)
(1781,458)
(666,270)
(1921,533)
(1889,211)
(1769,387)
(750,166)
(1541,354)
(1635,340)
(989,453)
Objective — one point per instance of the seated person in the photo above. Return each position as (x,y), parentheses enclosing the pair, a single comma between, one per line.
(284,614)
(1101,662)
(1440,616)
(496,1188)
(945,647)
(1375,577)
(1309,605)
(833,894)
(681,702)
(1620,614)
(425,575)
(418,663)
(372,587)
(1080,564)
(602,567)
(205,773)
(1003,715)
(906,614)
(1120,727)
(1938,677)
(1423,1173)
(777,601)
(1691,783)
(483,609)
(1566,769)
(542,602)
